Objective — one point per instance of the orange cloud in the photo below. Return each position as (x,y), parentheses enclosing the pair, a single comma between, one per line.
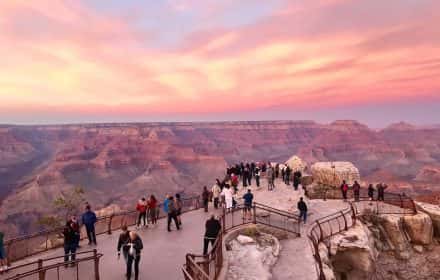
(102,62)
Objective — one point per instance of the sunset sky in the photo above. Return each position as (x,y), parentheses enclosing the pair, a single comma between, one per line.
(204,60)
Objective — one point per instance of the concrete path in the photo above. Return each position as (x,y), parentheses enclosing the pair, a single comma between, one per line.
(162,258)
(296,259)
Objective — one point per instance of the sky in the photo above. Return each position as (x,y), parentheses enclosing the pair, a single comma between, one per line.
(211,60)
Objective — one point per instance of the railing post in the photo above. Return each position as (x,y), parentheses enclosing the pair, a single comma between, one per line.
(224,219)
(110,224)
(41,274)
(345,220)
(8,253)
(401,200)
(96,260)
(254,210)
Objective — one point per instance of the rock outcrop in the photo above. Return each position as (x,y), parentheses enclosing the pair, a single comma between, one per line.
(333,173)
(297,164)
(434,213)
(419,228)
(353,254)
(394,231)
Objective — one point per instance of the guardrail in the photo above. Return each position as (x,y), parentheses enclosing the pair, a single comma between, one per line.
(328,226)
(56,268)
(208,267)
(26,246)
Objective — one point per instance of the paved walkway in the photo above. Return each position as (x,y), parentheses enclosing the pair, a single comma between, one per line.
(162,258)
(164,252)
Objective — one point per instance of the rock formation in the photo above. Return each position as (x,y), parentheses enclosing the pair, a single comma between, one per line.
(297,164)
(333,173)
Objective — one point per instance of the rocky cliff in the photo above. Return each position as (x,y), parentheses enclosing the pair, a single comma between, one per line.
(117,163)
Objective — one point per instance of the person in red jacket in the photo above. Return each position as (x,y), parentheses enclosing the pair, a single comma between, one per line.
(344,190)
(153,210)
(141,207)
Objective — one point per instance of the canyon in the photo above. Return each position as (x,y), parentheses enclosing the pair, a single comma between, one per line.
(116,164)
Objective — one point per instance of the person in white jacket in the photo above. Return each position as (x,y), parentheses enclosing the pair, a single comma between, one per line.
(216,190)
(228,197)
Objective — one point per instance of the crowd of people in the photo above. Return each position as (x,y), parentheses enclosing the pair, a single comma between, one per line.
(356,187)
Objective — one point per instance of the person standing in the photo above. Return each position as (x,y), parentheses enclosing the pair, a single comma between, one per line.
(152,207)
(228,197)
(288,173)
(135,246)
(205,198)
(269,178)
(296,179)
(381,192)
(371,192)
(234,182)
(89,220)
(245,176)
(302,207)
(344,190)
(257,176)
(179,206)
(123,240)
(248,198)
(141,207)
(216,190)
(3,258)
(356,190)
(172,213)
(71,239)
(212,229)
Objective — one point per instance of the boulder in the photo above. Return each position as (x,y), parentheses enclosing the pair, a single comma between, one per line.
(353,254)
(393,227)
(419,228)
(297,164)
(333,173)
(434,213)
(243,239)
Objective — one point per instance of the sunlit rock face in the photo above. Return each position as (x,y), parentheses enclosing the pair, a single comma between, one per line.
(119,163)
(334,173)
(297,164)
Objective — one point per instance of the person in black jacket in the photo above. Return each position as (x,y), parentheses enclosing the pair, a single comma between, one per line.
(123,240)
(135,246)
(71,239)
(213,228)
(302,207)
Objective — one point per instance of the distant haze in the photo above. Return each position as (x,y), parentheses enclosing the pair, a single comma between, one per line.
(211,60)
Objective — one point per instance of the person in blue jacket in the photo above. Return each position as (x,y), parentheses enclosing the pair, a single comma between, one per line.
(165,204)
(89,221)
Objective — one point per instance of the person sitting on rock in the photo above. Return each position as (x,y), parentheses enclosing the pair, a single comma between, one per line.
(302,207)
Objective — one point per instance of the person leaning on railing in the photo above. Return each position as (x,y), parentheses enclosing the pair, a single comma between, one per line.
(3,259)
(71,239)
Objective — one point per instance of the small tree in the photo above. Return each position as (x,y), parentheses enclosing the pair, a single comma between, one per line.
(66,205)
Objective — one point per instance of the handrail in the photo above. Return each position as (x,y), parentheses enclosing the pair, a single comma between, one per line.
(28,245)
(41,269)
(317,234)
(210,265)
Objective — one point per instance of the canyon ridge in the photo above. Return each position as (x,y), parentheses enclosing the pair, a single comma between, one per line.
(116,164)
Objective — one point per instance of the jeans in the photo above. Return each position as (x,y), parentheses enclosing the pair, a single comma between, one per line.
(206,241)
(205,204)
(130,261)
(216,202)
(172,216)
(303,215)
(91,235)
(257,179)
(142,216)
(70,248)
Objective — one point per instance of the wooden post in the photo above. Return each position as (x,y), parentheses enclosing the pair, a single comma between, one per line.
(110,224)
(224,219)
(254,208)
(345,220)
(96,260)
(41,274)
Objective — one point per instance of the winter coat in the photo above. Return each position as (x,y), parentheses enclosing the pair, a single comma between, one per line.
(213,227)
(302,206)
(89,219)
(142,206)
(123,240)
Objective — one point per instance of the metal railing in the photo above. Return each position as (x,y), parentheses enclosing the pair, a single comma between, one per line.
(328,226)
(57,268)
(208,267)
(29,245)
